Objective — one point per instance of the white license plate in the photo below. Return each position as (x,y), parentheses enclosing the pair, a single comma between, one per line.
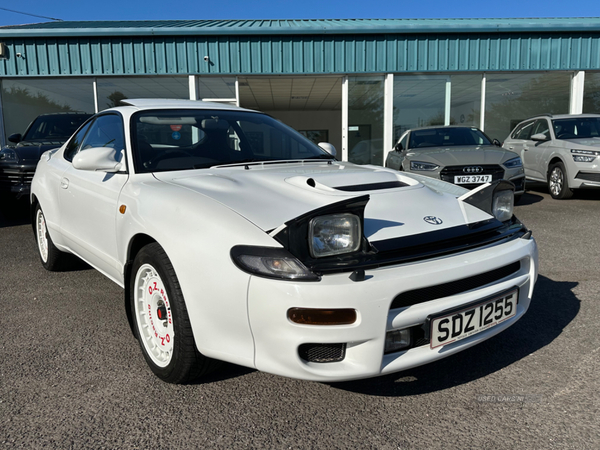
(472,179)
(472,320)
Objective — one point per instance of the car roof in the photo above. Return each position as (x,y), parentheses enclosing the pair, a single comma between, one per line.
(561,116)
(66,113)
(159,103)
(434,127)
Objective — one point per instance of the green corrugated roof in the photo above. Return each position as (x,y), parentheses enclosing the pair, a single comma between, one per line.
(316,26)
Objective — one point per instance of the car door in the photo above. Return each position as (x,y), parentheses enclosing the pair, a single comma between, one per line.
(519,142)
(537,151)
(89,199)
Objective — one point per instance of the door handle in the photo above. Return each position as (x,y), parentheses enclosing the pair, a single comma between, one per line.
(510,148)
(525,148)
(64,183)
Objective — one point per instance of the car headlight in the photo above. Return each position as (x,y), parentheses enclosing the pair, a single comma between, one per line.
(503,205)
(512,163)
(334,234)
(8,155)
(583,158)
(419,165)
(271,262)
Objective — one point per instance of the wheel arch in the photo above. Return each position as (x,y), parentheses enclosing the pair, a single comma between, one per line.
(553,160)
(34,203)
(136,243)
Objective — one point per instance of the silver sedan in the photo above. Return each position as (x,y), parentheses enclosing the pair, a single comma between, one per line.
(464,156)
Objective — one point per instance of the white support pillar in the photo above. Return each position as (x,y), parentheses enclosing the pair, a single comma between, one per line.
(345,103)
(577,87)
(448,101)
(482,107)
(193,84)
(95,88)
(388,116)
(237,91)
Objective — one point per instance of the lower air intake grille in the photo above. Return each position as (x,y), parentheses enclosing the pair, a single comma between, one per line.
(454,287)
(322,353)
(593,176)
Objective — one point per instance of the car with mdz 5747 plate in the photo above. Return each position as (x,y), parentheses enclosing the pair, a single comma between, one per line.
(237,239)
(457,154)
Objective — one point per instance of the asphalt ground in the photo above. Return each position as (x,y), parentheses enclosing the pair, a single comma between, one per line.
(72,375)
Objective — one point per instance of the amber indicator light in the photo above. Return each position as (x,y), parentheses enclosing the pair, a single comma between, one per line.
(122,209)
(314,316)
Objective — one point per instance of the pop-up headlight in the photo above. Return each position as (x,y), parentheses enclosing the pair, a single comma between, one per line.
(496,199)
(334,234)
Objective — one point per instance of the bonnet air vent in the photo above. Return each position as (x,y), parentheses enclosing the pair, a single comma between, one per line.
(372,186)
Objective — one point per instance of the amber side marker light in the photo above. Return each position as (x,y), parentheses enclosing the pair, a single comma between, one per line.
(313,316)
(122,209)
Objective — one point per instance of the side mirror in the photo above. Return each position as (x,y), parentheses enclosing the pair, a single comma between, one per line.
(398,147)
(497,143)
(540,137)
(103,159)
(16,138)
(327,147)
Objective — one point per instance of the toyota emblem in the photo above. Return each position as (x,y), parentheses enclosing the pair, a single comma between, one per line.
(473,169)
(432,220)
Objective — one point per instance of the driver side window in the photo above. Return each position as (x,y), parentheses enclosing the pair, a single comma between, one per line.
(75,142)
(106,131)
(541,127)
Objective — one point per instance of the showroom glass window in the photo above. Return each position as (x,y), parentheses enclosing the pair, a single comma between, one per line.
(419,101)
(513,97)
(591,93)
(24,100)
(465,104)
(114,89)
(365,119)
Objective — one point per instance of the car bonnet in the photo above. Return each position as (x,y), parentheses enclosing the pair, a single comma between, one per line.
(270,195)
(455,156)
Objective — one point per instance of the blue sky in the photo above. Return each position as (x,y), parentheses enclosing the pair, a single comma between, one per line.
(300,9)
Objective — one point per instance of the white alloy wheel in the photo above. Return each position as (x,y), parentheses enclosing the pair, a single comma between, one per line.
(41,234)
(153,315)
(557,180)
(558,183)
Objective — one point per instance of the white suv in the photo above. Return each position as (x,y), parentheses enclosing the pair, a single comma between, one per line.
(562,150)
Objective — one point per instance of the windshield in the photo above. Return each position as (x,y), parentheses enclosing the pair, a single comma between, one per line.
(57,127)
(577,128)
(447,137)
(198,138)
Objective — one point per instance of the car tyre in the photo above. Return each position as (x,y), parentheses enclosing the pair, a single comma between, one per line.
(52,258)
(557,182)
(161,322)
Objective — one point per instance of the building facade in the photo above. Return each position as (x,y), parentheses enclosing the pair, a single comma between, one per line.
(355,83)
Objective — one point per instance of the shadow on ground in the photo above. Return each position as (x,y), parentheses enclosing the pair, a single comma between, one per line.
(534,187)
(553,307)
(14,212)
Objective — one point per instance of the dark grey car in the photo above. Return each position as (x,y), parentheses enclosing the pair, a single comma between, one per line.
(464,156)
(47,131)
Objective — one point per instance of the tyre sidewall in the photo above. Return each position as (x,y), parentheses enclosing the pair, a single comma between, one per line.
(153,255)
(565,192)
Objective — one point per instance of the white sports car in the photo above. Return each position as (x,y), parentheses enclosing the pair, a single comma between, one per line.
(237,239)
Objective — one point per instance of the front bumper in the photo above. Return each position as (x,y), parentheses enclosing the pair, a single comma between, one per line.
(498,172)
(16,179)
(279,342)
